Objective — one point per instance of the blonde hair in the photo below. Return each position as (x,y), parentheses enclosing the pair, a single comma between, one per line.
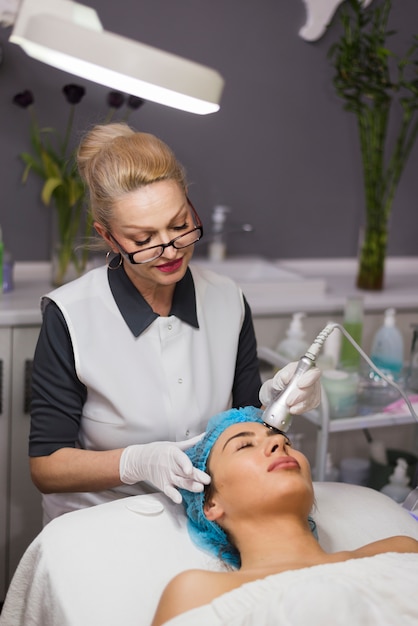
(113,160)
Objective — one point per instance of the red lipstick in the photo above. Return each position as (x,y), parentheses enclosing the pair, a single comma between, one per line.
(172,266)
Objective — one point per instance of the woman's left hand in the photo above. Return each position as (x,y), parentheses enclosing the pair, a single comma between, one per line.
(305,397)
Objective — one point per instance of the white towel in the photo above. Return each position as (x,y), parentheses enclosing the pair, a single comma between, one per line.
(373,591)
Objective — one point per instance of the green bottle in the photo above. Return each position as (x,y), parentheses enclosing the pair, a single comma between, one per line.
(350,359)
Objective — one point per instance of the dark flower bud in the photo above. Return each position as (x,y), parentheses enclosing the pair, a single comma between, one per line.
(73,93)
(115,99)
(134,102)
(24,99)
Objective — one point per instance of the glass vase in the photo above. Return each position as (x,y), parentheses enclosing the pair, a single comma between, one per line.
(67,264)
(69,250)
(372,256)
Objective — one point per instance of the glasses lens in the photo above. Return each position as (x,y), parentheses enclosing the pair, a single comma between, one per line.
(144,256)
(187,239)
(150,254)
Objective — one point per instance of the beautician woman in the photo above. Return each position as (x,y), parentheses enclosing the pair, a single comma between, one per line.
(138,354)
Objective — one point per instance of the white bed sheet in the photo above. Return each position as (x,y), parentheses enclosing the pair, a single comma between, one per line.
(108,565)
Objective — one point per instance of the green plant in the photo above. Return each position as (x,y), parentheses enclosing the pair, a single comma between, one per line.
(379,88)
(52,160)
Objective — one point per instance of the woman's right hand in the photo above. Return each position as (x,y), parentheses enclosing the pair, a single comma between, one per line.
(305,397)
(164,465)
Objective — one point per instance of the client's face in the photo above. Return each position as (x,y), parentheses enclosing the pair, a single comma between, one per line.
(253,466)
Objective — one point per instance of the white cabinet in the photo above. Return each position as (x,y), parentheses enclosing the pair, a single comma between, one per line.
(20,511)
(5,370)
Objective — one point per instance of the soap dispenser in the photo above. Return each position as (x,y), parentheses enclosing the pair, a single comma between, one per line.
(387,351)
(397,487)
(294,346)
(217,243)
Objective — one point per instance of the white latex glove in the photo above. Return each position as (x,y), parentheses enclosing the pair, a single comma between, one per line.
(305,397)
(164,465)
(188,443)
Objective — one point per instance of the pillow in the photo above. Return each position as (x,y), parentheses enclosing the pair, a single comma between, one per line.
(349,516)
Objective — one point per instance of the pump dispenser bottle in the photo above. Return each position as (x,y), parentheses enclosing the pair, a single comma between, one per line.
(397,487)
(330,355)
(217,243)
(294,346)
(387,351)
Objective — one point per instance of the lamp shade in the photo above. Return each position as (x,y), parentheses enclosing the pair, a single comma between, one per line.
(69,36)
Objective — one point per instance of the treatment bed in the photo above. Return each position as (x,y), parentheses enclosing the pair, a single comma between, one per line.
(108,565)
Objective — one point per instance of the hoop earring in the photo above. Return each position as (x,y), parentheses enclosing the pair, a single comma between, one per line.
(110,259)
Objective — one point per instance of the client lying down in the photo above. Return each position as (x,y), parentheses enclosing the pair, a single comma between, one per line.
(255,516)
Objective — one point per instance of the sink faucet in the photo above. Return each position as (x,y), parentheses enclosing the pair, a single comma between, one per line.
(217,238)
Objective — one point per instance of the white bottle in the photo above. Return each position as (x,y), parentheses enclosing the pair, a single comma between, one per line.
(294,346)
(387,351)
(397,487)
(331,472)
(329,356)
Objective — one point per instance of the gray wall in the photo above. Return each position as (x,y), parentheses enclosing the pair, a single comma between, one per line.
(281,152)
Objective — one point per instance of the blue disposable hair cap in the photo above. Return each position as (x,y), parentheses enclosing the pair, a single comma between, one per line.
(206,534)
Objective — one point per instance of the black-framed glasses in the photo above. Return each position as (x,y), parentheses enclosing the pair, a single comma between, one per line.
(154,252)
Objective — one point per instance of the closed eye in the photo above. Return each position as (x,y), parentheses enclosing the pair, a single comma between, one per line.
(176,229)
(242,436)
(142,243)
(244,444)
(184,226)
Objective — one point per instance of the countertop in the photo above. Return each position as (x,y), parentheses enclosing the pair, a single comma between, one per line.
(400,290)
(21,306)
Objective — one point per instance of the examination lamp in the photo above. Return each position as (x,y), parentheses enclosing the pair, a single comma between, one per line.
(70,37)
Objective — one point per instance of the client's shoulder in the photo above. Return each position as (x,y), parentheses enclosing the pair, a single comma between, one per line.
(196,586)
(191,589)
(398,543)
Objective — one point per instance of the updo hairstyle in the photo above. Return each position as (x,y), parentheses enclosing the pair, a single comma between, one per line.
(113,160)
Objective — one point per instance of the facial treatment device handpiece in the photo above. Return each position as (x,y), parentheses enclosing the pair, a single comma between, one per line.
(277,412)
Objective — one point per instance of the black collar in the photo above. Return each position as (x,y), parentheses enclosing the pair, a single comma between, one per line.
(137,313)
